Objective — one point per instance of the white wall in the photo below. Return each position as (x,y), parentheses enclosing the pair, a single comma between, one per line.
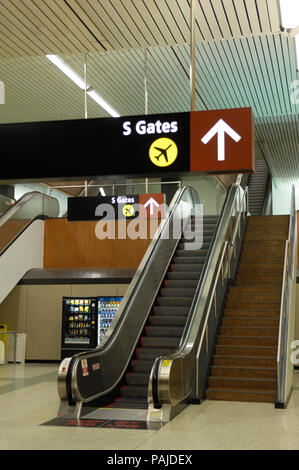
(282,197)
(25,253)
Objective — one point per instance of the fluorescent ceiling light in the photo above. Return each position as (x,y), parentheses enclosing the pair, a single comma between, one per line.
(70,73)
(289,10)
(94,95)
(102,192)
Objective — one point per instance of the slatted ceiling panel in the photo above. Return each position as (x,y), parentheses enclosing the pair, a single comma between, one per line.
(113,22)
(270,54)
(181,14)
(269,83)
(230,12)
(102,39)
(119,71)
(39,92)
(19,30)
(72,22)
(11,35)
(27,20)
(226,73)
(274,15)
(55,25)
(264,18)
(166,10)
(281,143)
(221,17)
(118,13)
(150,28)
(216,75)
(240,79)
(169,89)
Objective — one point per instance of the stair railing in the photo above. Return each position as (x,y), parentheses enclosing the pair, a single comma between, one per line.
(287,311)
(224,269)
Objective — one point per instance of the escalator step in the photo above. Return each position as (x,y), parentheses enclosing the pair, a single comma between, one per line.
(174,284)
(137,378)
(191,253)
(188,260)
(133,391)
(171,311)
(159,341)
(183,275)
(177,292)
(176,267)
(204,247)
(141,365)
(160,320)
(174,301)
(164,331)
(134,403)
(152,353)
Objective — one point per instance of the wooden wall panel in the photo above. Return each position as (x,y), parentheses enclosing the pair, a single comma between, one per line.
(75,245)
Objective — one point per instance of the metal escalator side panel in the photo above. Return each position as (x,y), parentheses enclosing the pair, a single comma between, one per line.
(175,371)
(19,216)
(100,371)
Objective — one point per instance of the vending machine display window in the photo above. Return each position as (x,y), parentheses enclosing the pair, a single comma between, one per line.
(107,309)
(79,325)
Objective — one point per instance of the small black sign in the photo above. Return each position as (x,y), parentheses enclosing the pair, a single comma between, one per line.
(108,207)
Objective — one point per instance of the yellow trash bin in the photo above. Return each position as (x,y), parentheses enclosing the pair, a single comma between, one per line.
(3,329)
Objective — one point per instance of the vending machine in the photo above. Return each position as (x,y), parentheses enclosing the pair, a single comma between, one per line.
(107,309)
(85,321)
(79,325)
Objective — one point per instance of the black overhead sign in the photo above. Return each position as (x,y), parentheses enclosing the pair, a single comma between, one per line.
(139,145)
(103,207)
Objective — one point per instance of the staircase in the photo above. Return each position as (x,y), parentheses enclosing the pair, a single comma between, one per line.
(244,365)
(257,184)
(167,319)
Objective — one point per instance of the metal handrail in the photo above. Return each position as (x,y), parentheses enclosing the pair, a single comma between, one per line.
(19,204)
(180,360)
(288,273)
(221,269)
(52,211)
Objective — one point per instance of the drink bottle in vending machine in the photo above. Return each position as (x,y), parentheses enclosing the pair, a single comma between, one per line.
(107,309)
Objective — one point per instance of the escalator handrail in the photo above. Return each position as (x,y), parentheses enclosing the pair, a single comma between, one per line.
(21,203)
(17,207)
(137,278)
(205,266)
(186,344)
(136,282)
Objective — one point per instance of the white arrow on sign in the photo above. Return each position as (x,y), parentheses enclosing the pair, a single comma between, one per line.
(220,129)
(151,202)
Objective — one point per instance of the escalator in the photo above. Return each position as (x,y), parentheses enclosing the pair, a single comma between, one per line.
(147,361)
(167,319)
(22,237)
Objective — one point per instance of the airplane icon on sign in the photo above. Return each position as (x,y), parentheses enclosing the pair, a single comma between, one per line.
(163,152)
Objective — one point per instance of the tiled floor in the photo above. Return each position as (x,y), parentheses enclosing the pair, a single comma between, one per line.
(29,398)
